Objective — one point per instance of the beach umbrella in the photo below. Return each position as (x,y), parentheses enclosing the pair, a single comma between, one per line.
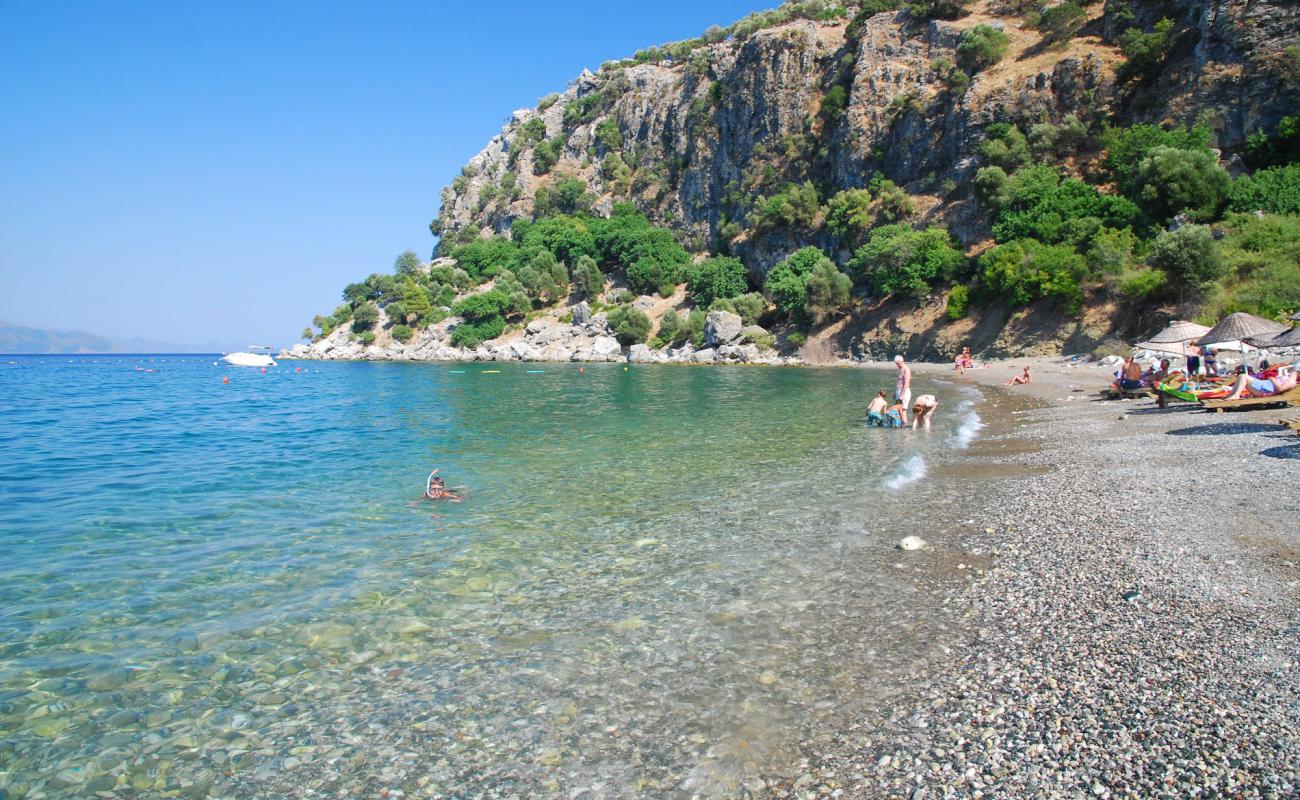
(1289,338)
(1238,328)
(1178,332)
(1174,338)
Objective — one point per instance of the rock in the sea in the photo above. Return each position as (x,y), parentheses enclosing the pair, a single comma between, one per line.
(705,356)
(721,327)
(912,543)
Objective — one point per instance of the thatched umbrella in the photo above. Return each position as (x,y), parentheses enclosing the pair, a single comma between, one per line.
(1289,338)
(1238,328)
(1174,338)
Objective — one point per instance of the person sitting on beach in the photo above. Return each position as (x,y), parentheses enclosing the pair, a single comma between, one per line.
(1019,380)
(964,361)
(894,414)
(436,489)
(923,410)
(1159,375)
(876,410)
(1130,376)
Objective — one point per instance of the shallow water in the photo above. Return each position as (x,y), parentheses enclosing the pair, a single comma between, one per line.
(659,579)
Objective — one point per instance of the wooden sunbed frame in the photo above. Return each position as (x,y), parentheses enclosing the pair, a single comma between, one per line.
(1111,393)
(1293,424)
(1290,397)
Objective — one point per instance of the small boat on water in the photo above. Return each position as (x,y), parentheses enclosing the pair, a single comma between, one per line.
(251,358)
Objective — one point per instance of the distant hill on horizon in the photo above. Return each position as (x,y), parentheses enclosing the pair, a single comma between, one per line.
(22,340)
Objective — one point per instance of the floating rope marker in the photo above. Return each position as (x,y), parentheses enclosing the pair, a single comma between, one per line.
(456,371)
(490,372)
(534,371)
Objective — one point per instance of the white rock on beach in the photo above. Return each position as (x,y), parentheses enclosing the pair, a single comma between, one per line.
(912,543)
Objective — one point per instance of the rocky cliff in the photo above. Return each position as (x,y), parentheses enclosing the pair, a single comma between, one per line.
(697,140)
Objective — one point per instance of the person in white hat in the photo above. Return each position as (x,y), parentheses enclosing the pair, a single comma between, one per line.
(903,386)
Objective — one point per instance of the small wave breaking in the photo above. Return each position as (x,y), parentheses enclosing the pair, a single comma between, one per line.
(911,470)
(968,425)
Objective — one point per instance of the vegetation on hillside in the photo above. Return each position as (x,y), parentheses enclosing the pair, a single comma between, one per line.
(1073,207)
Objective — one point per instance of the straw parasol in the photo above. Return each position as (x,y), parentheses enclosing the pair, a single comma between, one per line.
(1289,338)
(1174,338)
(1240,327)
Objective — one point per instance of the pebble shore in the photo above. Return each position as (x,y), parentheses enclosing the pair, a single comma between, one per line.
(1137,633)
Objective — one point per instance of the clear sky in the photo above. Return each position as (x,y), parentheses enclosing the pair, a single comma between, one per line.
(218,171)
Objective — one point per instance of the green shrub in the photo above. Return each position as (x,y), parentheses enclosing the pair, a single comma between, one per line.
(629,325)
(566,237)
(1127,147)
(991,187)
(900,260)
(1062,21)
(795,205)
(958,301)
(547,154)
(954,79)
(568,195)
(1021,271)
(1170,181)
(416,302)
(695,327)
(849,214)
(750,307)
(482,306)
(1145,53)
(608,134)
(408,263)
(484,258)
(1111,251)
(1036,204)
(1005,146)
(367,338)
(937,9)
(472,334)
(1189,256)
(670,329)
(1275,190)
(1283,147)
(826,291)
(588,280)
(895,203)
(617,173)
(547,101)
(364,317)
(1144,285)
(403,333)
(719,276)
(1262,254)
(764,341)
(981,46)
(797,338)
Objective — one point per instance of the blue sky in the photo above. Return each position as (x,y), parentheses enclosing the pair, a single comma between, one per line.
(217,172)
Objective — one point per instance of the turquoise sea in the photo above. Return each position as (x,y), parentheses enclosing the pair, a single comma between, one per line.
(660,581)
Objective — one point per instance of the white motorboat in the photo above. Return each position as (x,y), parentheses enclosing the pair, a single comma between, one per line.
(250,359)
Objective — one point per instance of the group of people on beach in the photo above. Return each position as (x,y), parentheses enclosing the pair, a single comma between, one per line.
(883,414)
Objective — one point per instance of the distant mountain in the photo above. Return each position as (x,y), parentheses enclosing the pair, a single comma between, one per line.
(18,339)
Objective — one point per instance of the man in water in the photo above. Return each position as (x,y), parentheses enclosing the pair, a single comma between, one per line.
(436,489)
(903,386)
(876,410)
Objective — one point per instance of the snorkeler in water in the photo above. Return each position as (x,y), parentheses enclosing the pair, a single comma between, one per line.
(435,488)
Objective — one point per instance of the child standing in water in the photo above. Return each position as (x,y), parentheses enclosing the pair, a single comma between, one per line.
(876,410)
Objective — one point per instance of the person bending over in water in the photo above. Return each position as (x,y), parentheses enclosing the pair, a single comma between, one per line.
(924,410)
(876,410)
(894,414)
(436,489)
(1017,380)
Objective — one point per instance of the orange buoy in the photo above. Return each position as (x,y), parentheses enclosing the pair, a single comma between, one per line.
(297,369)
(582,369)
(225,380)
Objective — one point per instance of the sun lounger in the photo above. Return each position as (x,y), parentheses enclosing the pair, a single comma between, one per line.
(1111,393)
(1290,397)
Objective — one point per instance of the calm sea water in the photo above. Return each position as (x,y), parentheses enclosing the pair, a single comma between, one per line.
(661,578)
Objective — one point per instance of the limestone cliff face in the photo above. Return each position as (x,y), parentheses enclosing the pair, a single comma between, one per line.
(705,136)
